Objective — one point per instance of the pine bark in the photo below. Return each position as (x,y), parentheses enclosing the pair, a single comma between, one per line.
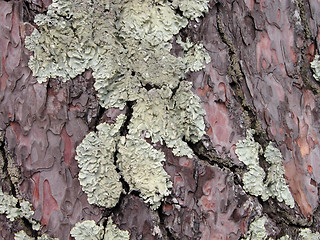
(259,78)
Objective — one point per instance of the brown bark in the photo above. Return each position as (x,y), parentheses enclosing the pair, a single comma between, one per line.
(259,78)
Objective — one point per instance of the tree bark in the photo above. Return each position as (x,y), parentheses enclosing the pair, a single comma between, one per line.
(259,78)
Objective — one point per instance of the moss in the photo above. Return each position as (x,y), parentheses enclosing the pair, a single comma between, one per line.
(315,65)
(141,166)
(87,230)
(257,230)
(98,176)
(112,232)
(275,185)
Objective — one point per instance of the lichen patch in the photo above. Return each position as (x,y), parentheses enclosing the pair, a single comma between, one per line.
(275,185)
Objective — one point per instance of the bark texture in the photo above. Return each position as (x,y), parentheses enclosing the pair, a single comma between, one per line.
(259,78)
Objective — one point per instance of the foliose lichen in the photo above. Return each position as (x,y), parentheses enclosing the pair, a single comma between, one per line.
(307,234)
(87,230)
(126,44)
(275,185)
(315,65)
(191,8)
(257,230)
(169,118)
(23,236)
(154,21)
(95,155)
(69,39)
(248,151)
(112,232)
(142,169)
(8,206)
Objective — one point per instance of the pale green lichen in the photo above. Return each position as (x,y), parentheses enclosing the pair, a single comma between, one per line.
(98,176)
(307,234)
(68,39)
(191,8)
(154,22)
(8,206)
(248,151)
(162,116)
(87,230)
(141,166)
(275,185)
(112,232)
(286,237)
(23,236)
(257,230)
(126,44)
(315,65)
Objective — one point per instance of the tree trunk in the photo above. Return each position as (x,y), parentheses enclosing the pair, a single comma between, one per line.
(259,78)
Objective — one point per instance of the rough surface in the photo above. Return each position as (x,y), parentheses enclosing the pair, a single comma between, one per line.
(87,230)
(260,77)
(21,235)
(142,168)
(248,151)
(315,65)
(9,206)
(257,230)
(255,181)
(113,232)
(95,155)
(275,184)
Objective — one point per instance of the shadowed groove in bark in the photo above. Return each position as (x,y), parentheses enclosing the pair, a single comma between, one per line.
(162,216)
(305,69)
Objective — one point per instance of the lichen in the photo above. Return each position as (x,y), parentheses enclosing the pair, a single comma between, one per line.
(285,237)
(112,232)
(70,39)
(126,44)
(8,206)
(87,230)
(307,234)
(141,166)
(155,22)
(257,230)
(248,151)
(98,176)
(23,236)
(191,8)
(315,65)
(275,185)
(181,118)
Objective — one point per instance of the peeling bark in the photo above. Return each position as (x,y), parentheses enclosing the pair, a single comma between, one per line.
(259,78)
